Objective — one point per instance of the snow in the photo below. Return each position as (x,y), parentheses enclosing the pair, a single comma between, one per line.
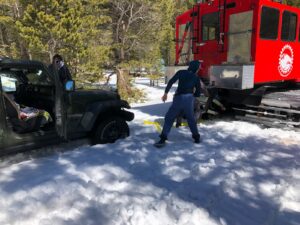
(241,173)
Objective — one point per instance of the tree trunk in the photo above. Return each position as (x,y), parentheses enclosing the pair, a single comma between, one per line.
(24,54)
(122,54)
(29,55)
(123,83)
(2,44)
(51,48)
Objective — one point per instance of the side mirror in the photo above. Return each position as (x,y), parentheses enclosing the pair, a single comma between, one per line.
(70,86)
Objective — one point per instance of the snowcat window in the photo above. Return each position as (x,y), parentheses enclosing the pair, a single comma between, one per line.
(269,23)
(289,26)
(210,26)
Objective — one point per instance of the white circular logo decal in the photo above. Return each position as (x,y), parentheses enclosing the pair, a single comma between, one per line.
(286,61)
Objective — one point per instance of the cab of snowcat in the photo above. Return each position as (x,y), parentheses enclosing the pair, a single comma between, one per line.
(215,32)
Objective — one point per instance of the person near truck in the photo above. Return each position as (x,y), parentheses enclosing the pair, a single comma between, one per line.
(59,65)
(183,101)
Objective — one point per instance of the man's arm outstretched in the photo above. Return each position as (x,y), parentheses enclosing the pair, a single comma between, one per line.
(169,85)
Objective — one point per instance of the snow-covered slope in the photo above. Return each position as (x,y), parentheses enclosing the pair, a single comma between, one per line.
(239,174)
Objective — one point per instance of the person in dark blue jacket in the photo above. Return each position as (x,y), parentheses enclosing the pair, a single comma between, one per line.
(59,65)
(183,101)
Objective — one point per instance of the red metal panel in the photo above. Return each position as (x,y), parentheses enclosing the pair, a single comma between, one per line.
(277,60)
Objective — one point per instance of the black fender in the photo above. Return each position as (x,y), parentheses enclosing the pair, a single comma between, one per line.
(128,116)
(101,110)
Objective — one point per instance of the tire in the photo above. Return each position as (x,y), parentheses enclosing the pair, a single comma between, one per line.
(110,130)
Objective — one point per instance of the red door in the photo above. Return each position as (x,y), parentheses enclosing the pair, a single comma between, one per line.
(208,47)
(184,35)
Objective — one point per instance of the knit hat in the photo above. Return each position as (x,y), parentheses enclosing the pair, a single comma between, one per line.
(194,66)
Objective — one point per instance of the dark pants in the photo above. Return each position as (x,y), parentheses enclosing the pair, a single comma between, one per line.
(181,103)
(197,113)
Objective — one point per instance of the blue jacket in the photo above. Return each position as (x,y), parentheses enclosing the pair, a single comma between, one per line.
(189,82)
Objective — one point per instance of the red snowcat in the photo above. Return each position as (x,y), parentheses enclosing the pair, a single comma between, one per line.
(250,54)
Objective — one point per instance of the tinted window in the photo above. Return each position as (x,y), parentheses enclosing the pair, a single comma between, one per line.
(289,26)
(210,26)
(269,23)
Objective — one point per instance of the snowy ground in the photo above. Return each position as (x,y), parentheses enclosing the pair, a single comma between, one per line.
(240,174)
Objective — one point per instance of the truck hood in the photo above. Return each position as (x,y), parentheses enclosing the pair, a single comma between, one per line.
(80,99)
(95,95)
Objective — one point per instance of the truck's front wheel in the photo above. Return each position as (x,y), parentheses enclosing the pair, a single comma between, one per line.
(110,130)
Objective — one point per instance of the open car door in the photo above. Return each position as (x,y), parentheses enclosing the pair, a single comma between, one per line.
(2,119)
(60,107)
(39,88)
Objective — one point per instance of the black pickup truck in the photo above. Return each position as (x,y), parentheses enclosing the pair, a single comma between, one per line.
(63,113)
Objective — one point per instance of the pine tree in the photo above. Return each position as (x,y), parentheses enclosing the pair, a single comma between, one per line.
(11,44)
(52,26)
(97,40)
(69,27)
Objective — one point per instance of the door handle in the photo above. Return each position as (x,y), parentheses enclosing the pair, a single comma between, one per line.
(200,44)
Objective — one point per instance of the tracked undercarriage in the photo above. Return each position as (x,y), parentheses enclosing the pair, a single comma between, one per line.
(277,109)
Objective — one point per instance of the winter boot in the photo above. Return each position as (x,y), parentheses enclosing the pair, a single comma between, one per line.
(196,139)
(161,143)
